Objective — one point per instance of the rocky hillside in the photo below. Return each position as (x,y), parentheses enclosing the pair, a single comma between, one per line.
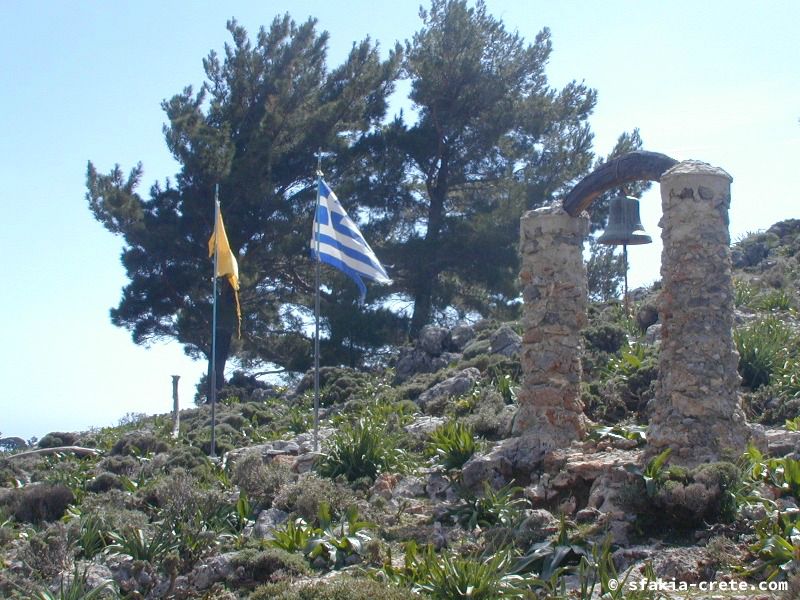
(418,490)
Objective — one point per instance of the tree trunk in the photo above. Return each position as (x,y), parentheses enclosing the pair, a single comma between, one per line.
(430,268)
(226,325)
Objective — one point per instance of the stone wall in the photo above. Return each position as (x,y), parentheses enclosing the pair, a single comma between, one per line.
(697,411)
(553,277)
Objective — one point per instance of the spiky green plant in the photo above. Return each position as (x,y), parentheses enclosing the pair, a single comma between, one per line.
(362,449)
(450,576)
(495,507)
(764,346)
(79,589)
(777,547)
(140,545)
(452,444)
(775,300)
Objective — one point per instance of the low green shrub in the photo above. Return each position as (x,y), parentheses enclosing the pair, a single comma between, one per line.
(674,498)
(271,564)
(48,552)
(259,480)
(55,439)
(605,337)
(340,588)
(304,496)
(120,465)
(139,444)
(103,482)
(40,502)
(188,458)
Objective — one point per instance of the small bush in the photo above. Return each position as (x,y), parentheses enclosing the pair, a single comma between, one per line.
(257,413)
(54,439)
(103,482)
(273,564)
(42,502)
(139,444)
(120,465)
(680,499)
(49,552)
(605,337)
(261,481)
(188,458)
(116,510)
(341,588)
(234,420)
(304,496)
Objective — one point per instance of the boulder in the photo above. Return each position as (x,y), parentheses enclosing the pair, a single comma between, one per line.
(432,340)
(460,336)
(433,399)
(423,426)
(506,341)
(267,521)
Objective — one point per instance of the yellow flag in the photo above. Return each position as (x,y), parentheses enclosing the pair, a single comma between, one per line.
(226,262)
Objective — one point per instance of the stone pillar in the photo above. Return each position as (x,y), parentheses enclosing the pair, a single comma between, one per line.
(176,412)
(553,277)
(697,411)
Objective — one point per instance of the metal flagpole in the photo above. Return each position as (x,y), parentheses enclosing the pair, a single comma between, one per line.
(316,308)
(213,382)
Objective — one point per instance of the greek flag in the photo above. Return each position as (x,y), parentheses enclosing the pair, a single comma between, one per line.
(341,244)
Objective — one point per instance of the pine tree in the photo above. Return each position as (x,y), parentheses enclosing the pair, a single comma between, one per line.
(490,139)
(253,128)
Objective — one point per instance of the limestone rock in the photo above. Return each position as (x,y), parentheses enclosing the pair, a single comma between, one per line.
(460,336)
(505,341)
(267,521)
(424,426)
(432,340)
(461,383)
(782,442)
(211,570)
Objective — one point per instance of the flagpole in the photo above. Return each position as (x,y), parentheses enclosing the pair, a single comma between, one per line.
(316,308)
(213,382)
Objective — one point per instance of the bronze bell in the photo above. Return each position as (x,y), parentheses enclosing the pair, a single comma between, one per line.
(624,224)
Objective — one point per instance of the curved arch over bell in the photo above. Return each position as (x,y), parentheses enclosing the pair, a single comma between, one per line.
(624,223)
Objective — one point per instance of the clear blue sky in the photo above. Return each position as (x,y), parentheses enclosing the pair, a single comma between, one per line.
(713,80)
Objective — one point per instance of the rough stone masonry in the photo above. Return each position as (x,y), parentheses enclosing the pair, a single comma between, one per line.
(697,411)
(555,298)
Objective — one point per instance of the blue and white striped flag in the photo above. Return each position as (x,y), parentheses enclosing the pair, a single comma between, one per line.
(341,244)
